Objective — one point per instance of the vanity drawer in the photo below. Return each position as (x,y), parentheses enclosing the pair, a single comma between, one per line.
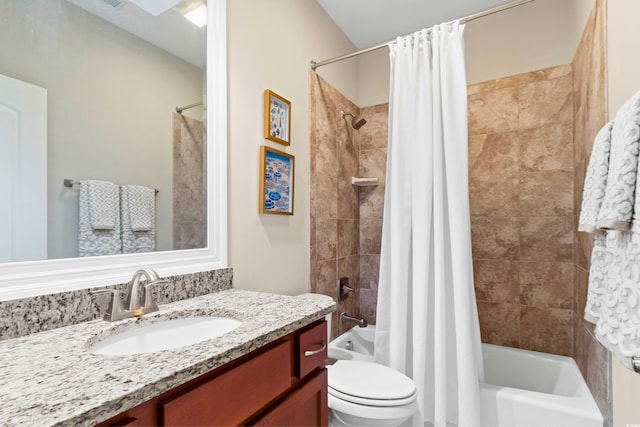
(235,395)
(311,349)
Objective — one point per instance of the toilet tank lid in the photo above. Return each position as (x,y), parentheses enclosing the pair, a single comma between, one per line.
(369,380)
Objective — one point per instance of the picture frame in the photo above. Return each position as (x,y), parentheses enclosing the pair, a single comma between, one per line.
(277,170)
(277,118)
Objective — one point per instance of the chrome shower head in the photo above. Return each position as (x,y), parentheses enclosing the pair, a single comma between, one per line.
(356,121)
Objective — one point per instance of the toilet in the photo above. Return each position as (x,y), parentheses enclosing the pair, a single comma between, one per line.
(367,394)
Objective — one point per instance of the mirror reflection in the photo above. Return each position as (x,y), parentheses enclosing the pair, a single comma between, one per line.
(102,137)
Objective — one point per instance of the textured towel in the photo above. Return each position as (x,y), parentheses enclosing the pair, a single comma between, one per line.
(613,298)
(142,207)
(595,182)
(137,209)
(616,212)
(104,212)
(97,205)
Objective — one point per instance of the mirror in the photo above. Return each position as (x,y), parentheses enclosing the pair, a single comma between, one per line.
(21,279)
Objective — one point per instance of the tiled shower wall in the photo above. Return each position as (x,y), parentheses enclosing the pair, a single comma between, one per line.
(335,220)
(589,86)
(521,195)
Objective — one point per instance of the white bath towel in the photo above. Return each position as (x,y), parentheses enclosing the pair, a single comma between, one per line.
(616,212)
(98,219)
(595,182)
(618,305)
(138,209)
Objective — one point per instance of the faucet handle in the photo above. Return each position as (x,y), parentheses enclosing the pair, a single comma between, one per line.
(149,302)
(115,306)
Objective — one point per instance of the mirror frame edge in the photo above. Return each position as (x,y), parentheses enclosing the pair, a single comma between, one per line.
(33,278)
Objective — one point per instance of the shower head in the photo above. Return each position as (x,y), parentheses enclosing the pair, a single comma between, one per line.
(356,121)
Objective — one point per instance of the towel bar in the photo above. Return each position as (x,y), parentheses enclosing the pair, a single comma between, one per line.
(635,362)
(71,182)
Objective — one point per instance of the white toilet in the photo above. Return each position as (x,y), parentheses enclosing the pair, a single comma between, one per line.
(367,394)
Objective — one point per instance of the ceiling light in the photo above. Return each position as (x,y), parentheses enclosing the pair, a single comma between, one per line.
(198,15)
(155,7)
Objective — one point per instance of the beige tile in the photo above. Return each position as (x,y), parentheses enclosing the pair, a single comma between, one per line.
(371,201)
(496,153)
(369,271)
(324,196)
(370,236)
(598,375)
(368,305)
(547,147)
(549,330)
(547,284)
(348,203)
(546,238)
(324,277)
(494,237)
(348,237)
(499,323)
(324,239)
(374,134)
(544,102)
(496,280)
(493,112)
(481,87)
(546,193)
(494,195)
(373,163)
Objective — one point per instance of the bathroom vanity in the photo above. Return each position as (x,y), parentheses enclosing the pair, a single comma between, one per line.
(268,371)
(283,383)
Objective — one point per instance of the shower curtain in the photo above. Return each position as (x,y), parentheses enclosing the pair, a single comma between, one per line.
(427,321)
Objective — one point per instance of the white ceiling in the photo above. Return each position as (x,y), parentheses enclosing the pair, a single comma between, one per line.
(370,22)
(170,30)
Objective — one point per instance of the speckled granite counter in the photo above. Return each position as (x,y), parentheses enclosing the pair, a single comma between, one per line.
(50,378)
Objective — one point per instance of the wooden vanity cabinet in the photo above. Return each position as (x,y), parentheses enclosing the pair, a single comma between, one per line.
(283,383)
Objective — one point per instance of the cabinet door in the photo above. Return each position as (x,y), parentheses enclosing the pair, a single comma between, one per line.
(234,396)
(305,406)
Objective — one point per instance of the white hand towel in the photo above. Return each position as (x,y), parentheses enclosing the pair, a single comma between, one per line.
(142,207)
(595,182)
(616,212)
(136,241)
(92,241)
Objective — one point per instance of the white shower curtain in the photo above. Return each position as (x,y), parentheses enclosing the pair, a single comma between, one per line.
(427,321)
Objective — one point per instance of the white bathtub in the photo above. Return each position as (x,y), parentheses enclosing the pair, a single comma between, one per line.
(521,389)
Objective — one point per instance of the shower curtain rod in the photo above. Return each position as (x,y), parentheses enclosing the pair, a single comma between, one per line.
(179,110)
(463,20)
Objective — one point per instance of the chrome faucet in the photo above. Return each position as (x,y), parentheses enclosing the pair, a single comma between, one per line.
(133,308)
(345,317)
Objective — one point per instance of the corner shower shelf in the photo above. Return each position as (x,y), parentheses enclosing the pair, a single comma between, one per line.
(364,182)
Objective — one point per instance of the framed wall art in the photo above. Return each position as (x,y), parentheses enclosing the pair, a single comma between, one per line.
(276,181)
(277,118)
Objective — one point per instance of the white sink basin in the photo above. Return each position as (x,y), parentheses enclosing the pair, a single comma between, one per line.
(164,335)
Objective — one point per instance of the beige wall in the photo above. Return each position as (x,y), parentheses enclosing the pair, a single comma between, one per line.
(270,47)
(623,70)
(534,36)
(76,57)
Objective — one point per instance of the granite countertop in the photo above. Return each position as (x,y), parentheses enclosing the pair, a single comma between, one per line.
(50,378)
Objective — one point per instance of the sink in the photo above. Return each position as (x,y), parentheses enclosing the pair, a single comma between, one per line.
(164,335)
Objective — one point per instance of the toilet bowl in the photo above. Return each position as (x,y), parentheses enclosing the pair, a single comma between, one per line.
(369,394)
(366,394)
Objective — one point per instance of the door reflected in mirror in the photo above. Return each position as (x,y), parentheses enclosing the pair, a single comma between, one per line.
(113,74)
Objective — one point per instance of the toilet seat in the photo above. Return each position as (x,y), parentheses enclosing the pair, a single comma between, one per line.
(371,384)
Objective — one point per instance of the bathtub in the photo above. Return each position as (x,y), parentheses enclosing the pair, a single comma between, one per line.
(522,388)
